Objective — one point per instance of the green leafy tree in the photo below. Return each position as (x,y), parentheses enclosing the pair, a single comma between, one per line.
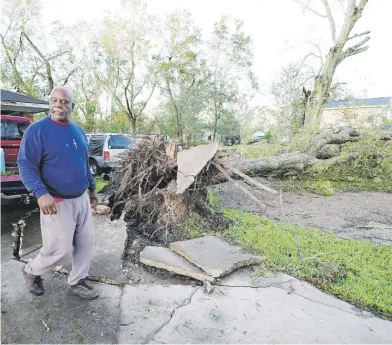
(230,62)
(124,47)
(33,62)
(181,71)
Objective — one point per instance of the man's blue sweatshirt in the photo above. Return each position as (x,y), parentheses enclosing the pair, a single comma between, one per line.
(53,159)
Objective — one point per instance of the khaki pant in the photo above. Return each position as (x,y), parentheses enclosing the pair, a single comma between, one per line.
(70,231)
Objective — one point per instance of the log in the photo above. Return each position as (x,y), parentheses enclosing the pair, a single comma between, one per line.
(247,178)
(325,145)
(296,161)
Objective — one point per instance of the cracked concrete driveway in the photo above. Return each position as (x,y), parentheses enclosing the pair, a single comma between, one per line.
(277,309)
(273,309)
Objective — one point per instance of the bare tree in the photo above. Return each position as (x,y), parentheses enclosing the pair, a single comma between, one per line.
(337,54)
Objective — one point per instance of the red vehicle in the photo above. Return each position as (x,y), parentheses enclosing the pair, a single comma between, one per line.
(15,111)
(12,129)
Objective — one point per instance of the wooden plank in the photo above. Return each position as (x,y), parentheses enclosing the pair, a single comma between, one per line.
(227,175)
(247,178)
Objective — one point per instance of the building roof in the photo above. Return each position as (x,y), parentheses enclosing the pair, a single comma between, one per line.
(10,96)
(14,103)
(366,102)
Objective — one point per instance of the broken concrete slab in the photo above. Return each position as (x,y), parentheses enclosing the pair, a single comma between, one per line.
(241,315)
(191,162)
(146,309)
(245,278)
(164,258)
(214,256)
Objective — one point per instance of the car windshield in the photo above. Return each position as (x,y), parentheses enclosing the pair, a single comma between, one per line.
(12,129)
(120,142)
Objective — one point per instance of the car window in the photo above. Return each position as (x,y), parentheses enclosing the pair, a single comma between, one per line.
(95,145)
(11,130)
(120,142)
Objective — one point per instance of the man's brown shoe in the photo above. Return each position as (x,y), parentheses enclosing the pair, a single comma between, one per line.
(82,290)
(34,283)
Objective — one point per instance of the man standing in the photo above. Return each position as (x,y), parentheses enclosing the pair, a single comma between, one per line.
(53,165)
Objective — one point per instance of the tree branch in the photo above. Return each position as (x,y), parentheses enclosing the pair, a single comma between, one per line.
(69,75)
(47,64)
(336,85)
(57,55)
(354,50)
(319,49)
(140,89)
(362,5)
(307,7)
(358,35)
(130,113)
(359,44)
(148,99)
(331,20)
(12,62)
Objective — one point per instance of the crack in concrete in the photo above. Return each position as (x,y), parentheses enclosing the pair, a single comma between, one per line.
(188,301)
(120,314)
(359,313)
(257,287)
(278,286)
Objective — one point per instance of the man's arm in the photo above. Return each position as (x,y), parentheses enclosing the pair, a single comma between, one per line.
(29,161)
(91,182)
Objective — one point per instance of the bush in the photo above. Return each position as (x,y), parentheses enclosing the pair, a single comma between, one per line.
(369,158)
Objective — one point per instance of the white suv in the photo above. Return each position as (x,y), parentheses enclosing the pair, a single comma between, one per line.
(105,148)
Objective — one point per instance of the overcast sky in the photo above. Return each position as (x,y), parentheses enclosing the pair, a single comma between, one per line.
(280,30)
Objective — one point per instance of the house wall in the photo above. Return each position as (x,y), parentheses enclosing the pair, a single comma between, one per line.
(360,116)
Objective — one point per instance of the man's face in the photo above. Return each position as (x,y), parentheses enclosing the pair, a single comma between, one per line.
(60,104)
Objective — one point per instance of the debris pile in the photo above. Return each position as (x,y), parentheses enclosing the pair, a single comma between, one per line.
(156,188)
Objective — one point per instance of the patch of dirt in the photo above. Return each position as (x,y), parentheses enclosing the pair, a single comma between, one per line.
(347,214)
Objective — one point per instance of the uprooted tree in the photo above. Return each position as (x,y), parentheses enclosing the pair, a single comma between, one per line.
(145,188)
(316,98)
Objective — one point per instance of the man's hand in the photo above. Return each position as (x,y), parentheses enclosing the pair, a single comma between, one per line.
(47,204)
(93,199)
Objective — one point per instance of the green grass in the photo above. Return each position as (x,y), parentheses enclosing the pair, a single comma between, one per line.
(100,183)
(327,186)
(357,271)
(258,150)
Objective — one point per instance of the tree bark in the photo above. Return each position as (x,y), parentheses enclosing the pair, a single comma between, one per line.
(215,129)
(336,55)
(301,160)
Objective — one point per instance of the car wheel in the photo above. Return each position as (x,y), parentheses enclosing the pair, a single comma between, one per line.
(94,168)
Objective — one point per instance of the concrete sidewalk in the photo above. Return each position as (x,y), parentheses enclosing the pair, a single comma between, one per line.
(276,309)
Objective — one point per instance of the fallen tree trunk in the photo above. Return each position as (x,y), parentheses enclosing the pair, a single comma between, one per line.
(325,146)
(264,167)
